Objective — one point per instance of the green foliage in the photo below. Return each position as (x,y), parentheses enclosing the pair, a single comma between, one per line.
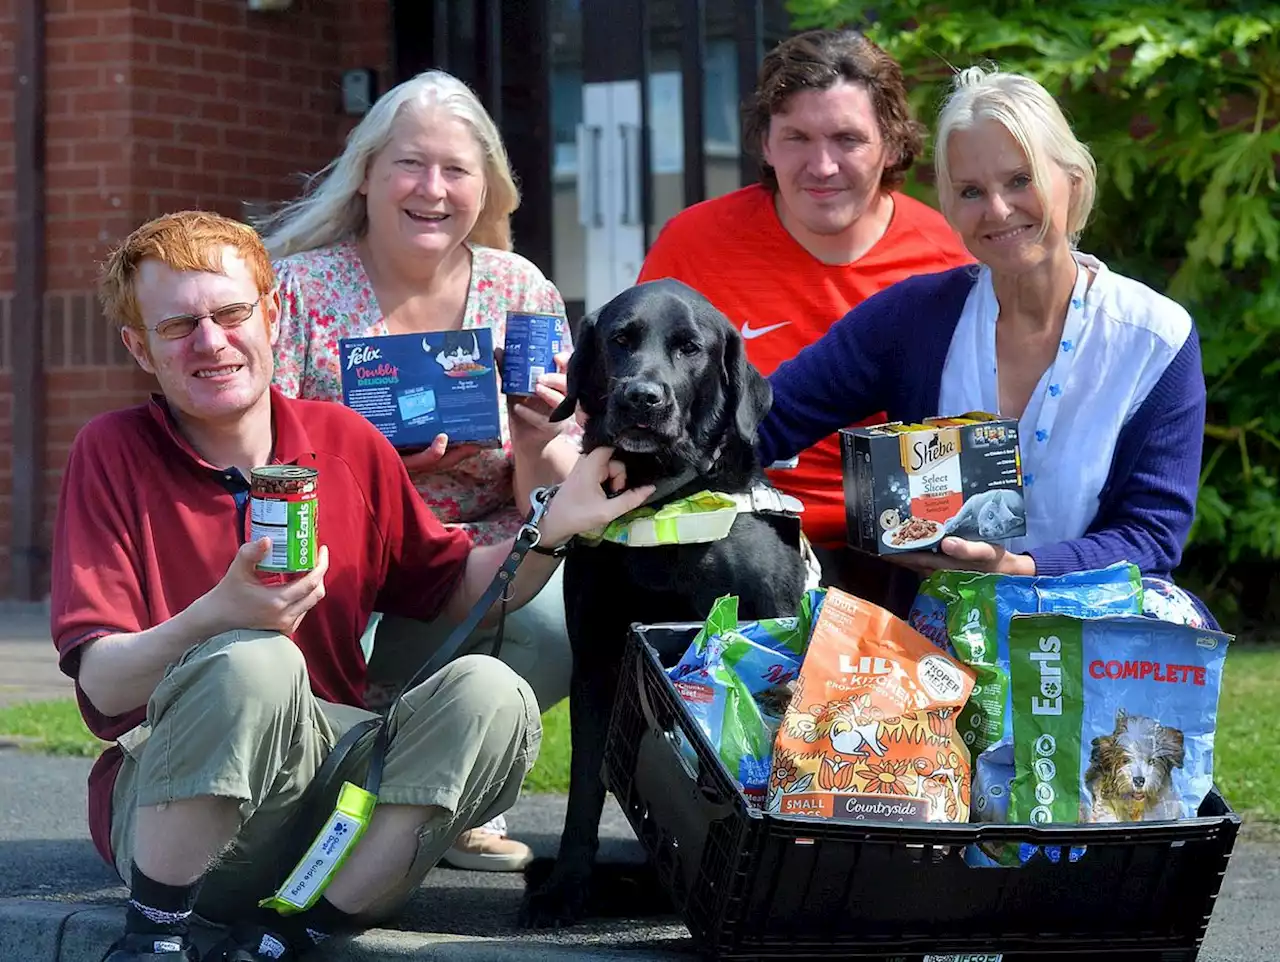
(1180,105)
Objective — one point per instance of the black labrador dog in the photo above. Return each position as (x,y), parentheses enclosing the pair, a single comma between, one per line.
(664,380)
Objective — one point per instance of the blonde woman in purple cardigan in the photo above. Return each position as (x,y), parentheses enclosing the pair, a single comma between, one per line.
(1102,372)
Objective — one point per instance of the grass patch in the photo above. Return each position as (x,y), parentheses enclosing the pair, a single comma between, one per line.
(551,773)
(1247,766)
(51,727)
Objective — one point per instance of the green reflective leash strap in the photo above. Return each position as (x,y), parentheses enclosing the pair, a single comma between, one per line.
(350,815)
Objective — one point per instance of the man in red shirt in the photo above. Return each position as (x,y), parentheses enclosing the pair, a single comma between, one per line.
(824,229)
(223,692)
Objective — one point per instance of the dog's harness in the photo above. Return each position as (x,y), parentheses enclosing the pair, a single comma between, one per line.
(696,519)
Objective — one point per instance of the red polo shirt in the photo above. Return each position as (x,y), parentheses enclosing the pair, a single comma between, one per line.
(145,527)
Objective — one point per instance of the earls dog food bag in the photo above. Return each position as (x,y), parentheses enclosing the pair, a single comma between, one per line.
(870,731)
(1113,718)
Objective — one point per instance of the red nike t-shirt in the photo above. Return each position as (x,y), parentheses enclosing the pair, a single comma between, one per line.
(737,253)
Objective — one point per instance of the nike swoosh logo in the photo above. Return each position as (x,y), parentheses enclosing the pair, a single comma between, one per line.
(750,332)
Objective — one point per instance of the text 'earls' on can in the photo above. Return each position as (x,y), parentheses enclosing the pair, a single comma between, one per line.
(283,507)
(529,351)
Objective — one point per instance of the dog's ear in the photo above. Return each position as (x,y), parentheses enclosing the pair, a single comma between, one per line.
(1172,740)
(581,374)
(1099,747)
(1122,720)
(748,395)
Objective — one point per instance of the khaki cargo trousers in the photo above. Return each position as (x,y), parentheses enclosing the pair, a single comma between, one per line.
(235,717)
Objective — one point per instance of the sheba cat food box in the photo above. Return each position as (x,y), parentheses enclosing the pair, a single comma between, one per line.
(415,386)
(907,486)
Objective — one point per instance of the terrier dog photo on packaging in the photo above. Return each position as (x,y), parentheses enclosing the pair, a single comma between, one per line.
(1131,772)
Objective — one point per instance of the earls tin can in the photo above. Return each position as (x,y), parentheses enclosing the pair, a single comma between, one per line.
(529,351)
(282,507)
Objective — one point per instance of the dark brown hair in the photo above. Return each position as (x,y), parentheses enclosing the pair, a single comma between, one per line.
(818,60)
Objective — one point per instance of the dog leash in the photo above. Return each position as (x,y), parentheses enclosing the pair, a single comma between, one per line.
(350,815)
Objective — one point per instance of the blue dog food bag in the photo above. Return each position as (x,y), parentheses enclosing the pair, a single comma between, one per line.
(735,680)
(1113,718)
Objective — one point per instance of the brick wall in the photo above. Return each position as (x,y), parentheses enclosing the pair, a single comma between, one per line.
(153,106)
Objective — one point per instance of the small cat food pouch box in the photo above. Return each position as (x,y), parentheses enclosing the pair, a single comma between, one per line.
(1113,718)
(416,386)
(907,486)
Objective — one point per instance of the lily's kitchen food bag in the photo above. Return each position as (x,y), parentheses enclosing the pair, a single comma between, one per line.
(870,731)
(1113,718)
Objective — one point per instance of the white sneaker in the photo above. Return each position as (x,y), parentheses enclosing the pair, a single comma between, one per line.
(487,849)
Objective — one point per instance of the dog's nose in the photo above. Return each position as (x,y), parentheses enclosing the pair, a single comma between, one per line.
(1139,781)
(643,395)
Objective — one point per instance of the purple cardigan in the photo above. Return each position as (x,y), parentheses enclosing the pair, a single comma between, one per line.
(887,354)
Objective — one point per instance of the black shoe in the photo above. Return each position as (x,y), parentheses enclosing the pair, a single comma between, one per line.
(152,947)
(248,943)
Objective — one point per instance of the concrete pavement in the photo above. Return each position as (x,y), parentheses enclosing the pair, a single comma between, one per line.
(28,663)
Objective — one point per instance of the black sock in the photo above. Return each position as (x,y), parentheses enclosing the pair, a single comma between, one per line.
(310,928)
(158,908)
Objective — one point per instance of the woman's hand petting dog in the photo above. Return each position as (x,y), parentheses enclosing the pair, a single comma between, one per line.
(582,503)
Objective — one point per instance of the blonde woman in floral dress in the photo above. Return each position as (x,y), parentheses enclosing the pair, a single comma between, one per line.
(408,231)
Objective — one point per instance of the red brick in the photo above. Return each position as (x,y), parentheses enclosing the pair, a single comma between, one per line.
(98,101)
(98,151)
(63,77)
(175,156)
(72,128)
(154,128)
(221,112)
(174,104)
(65,29)
(231,13)
(204,36)
(71,178)
(151,27)
(175,8)
(90,379)
(105,52)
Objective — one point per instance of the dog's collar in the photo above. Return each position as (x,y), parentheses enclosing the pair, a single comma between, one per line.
(697,519)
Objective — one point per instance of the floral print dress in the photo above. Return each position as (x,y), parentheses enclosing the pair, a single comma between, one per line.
(326,295)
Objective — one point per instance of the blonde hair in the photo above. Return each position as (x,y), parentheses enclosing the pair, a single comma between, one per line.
(332,209)
(189,240)
(1033,118)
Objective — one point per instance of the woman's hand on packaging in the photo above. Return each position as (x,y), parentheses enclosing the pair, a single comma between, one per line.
(594,493)
(959,554)
(438,456)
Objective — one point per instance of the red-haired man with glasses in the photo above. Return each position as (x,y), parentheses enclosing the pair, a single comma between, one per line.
(223,694)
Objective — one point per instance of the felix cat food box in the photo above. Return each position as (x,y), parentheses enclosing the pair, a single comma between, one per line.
(907,486)
(416,386)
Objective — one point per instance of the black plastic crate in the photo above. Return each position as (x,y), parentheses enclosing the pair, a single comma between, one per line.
(755,886)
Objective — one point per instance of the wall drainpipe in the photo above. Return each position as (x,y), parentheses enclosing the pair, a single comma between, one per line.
(26,359)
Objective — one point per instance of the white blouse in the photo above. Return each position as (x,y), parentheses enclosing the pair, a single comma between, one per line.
(1119,338)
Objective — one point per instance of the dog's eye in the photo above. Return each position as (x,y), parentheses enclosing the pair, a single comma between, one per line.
(686,348)
(620,339)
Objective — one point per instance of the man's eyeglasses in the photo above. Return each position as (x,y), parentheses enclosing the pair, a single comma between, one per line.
(232,315)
